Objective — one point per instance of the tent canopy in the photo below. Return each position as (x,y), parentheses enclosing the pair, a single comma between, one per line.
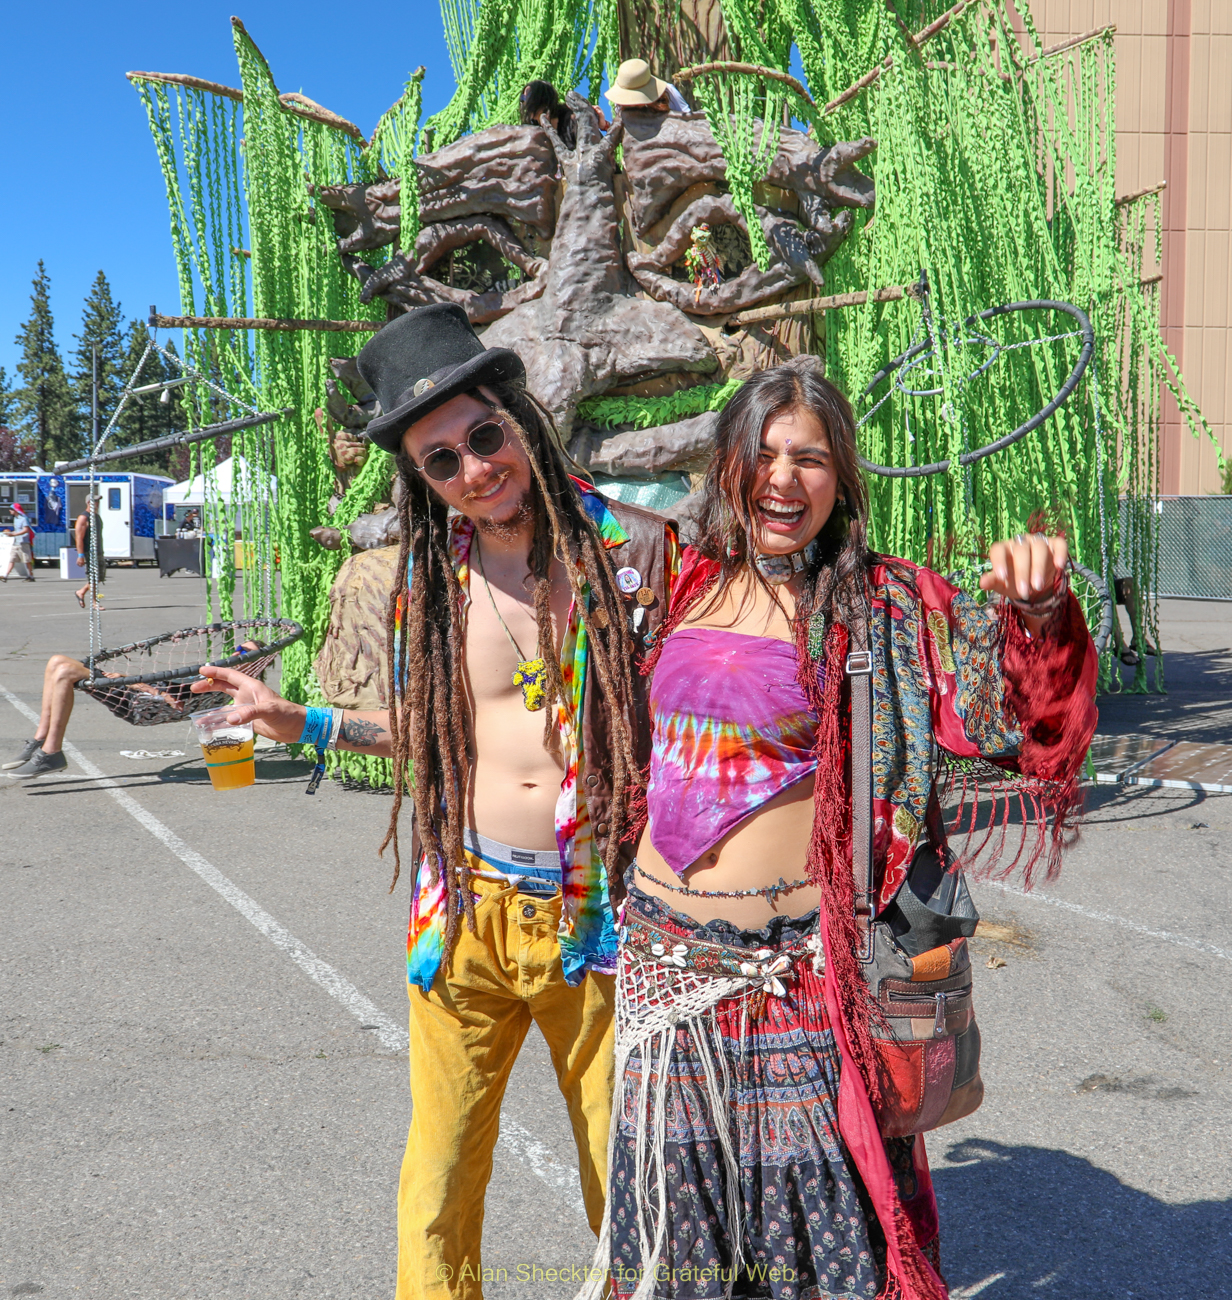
(223,482)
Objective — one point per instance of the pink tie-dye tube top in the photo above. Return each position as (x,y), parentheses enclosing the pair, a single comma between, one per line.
(732,729)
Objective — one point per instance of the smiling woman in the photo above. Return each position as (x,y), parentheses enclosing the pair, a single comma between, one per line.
(793,867)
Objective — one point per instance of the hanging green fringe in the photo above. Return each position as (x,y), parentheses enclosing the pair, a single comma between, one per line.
(995,175)
(646,412)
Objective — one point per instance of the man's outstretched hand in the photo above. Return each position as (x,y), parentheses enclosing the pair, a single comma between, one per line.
(269,713)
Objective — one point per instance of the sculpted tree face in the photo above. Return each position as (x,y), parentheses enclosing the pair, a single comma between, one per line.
(592,275)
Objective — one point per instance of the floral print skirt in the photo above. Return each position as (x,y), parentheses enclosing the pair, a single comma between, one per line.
(745,1128)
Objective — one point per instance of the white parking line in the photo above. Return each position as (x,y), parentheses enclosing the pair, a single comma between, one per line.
(1181,940)
(976,1288)
(392,1035)
(513,1136)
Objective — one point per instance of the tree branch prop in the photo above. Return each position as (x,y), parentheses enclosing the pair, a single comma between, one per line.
(174,440)
(261,323)
(926,33)
(292,101)
(309,108)
(193,83)
(748,69)
(1126,199)
(1072,42)
(805,306)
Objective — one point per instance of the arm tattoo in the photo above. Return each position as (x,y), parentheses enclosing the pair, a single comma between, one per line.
(361,733)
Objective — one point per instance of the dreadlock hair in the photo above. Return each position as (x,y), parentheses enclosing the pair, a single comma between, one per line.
(428,715)
(835,584)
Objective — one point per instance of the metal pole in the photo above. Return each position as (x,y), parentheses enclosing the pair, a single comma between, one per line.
(94,530)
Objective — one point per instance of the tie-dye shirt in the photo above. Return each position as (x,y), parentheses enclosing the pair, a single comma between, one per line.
(587,937)
(732,729)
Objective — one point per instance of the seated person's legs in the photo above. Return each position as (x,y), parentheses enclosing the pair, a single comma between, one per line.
(42,753)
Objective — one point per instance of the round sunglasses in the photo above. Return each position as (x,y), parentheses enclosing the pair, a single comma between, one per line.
(445,463)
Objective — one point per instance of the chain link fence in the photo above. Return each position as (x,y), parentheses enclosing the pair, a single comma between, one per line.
(1195,546)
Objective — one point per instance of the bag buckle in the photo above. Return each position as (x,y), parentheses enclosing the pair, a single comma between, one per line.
(939,1021)
(859,663)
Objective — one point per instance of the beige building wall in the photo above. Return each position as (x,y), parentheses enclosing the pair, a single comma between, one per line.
(1174,124)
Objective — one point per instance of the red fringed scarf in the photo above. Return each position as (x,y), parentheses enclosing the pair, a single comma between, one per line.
(1049,801)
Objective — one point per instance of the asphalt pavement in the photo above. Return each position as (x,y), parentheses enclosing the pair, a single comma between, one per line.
(202,1044)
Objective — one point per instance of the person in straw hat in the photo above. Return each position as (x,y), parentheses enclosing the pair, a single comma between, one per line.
(637,87)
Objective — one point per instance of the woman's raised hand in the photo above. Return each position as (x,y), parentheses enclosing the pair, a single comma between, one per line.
(269,713)
(1025,569)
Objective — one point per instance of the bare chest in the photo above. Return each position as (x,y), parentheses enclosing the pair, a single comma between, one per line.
(503,631)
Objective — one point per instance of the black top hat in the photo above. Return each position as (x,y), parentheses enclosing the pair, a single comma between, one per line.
(419,361)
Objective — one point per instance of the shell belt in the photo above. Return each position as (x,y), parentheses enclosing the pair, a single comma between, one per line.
(759,969)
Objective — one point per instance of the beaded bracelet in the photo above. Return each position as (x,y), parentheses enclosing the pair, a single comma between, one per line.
(1045,606)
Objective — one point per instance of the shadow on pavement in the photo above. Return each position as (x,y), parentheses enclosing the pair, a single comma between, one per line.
(1131,803)
(277,771)
(1197,707)
(1019,1222)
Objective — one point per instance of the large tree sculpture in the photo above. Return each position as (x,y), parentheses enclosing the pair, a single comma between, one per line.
(594,295)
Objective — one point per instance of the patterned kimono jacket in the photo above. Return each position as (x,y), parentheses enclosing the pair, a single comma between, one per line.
(958,688)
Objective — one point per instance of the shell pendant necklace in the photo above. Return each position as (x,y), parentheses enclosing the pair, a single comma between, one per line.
(530,674)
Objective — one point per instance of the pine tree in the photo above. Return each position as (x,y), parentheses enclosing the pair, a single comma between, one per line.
(148,416)
(8,400)
(15,452)
(102,326)
(44,408)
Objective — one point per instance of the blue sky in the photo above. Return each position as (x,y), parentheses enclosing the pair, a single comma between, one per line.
(83,189)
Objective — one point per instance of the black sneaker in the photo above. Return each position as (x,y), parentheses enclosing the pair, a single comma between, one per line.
(29,750)
(39,764)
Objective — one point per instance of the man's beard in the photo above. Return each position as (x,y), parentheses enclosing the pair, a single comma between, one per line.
(507,530)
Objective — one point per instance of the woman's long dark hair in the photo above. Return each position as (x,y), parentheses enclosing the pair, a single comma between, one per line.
(428,719)
(837,574)
(539,97)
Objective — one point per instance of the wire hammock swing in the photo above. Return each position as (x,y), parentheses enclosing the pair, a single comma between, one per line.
(147,682)
(915,373)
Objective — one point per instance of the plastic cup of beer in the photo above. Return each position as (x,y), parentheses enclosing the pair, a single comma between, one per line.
(227,747)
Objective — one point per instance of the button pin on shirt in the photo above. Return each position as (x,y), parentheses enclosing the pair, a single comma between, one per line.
(628,580)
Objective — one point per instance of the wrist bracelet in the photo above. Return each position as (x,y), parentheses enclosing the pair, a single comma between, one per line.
(1044,606)
(316,722)
(318,730)
(335,731)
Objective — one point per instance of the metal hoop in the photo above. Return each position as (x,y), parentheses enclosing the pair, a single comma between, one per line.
(970,457)
(1108,609)
(975,374)
(289,632)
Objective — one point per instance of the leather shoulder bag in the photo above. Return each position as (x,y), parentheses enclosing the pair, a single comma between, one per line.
(914,957)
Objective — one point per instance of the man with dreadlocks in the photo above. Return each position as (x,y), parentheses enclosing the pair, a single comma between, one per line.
(523,605)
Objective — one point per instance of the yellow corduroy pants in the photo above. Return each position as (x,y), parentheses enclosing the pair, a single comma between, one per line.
(465,1035)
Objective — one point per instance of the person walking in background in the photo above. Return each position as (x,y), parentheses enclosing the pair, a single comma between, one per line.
(88,534)
(23,544)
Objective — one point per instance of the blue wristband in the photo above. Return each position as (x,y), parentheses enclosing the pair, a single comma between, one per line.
(317,726)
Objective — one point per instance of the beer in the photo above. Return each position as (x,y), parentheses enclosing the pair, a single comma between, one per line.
(229,760)
(227,747)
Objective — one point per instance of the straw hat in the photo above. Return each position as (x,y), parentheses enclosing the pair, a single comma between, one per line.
(636,84)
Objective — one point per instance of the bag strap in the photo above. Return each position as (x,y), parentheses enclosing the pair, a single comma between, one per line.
(860,674)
